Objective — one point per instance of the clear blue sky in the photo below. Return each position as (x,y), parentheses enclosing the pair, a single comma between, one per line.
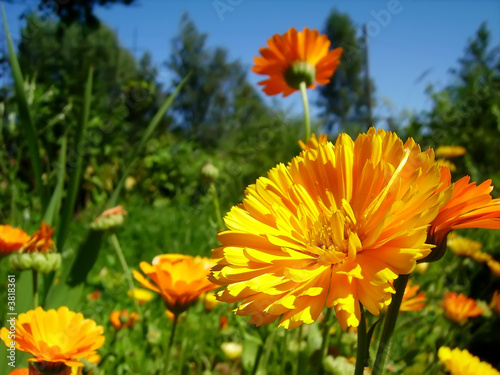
(420,36)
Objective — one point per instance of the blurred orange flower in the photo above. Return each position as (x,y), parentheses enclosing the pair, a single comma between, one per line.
(56,338)
(495,302)
(178,278)
(334,227)
(11,239)
(296,57)
(20,371)
(41,240)
(122,319)
(412,301)
(459,308)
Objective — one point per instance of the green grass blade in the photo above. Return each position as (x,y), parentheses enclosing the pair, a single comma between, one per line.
(55,200)
(76,173)
(147,134)
(26,120)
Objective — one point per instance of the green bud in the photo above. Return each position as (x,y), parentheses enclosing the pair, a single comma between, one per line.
(107,222)
(300,71)
(41,262)
(209,173)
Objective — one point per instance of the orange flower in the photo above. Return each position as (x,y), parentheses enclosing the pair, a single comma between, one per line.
(41,240)
(56,338)
(313,143)
(11,239)
(94,295)
(20,371)
(459,308)
(333,227)
(495,302)
(412,301)
(178,278)
(110,218)
(122,319)
(471,206)
(296,57)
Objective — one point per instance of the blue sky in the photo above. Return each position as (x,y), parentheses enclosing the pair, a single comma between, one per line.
(419,36)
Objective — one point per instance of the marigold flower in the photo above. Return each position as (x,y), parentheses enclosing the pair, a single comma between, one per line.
(471,206)
(446,163)
(110,218)
(20,371)
(459,308)
(412,301)
(232,350)
(11,239)
(296,57)
(313,143)
(140,295)
(122,319)
(494,267)
(56,338)
(450,151)
(94,295)
(178,278)
(466,247)
(461,362)
(40,241)
(335,227)
(495,302)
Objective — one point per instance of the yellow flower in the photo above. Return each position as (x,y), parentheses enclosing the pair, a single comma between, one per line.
(334,227)
(461,362)
(232,350)
(446,163)
(296,57)
(459,308)
(494,267)
(122,319)
(412,301)
(11,239)
(466,247)
(178,278)
(56,338)
(210,301)
(140,295)
(450,151)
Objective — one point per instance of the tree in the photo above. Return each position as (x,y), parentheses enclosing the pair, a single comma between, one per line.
(344,100)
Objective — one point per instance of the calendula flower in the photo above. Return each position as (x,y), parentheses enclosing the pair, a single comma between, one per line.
(210,301)
(11,239)
(232,350)
(20,371)
(446,163)
(296,57)
(178,278)
(461,362)
(110,218)
(412,301)
(466,247)
(40,241)
(450,151)
(55,338)
(141,295)
(495,302)
(459,308)
(471,206)
(122,319)
(313,143)
(334,227)
(494,267)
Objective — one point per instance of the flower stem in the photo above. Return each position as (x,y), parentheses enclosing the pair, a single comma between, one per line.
(126,270)
(361,357)
(384,345)
(35,288)
(170,342)
(307,120)
(299,342)
(326,338)
(284,352)
(215,196)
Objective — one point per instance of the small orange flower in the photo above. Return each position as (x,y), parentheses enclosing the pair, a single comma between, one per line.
(459,308)
(94,295)
(41,240)
(471,206)
(412,301)
(118,210)
(178,278)
(495,302)
(122,319)
(20,371)
(296,57)
(56,338)
(11,239)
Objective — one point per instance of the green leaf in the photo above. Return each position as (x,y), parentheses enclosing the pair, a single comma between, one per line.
(55,200)
(26,120)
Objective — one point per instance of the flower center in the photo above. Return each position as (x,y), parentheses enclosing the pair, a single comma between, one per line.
(300,71)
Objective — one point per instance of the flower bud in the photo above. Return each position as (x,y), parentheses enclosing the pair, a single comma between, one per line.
(209,173)
(109,219)
(41,262)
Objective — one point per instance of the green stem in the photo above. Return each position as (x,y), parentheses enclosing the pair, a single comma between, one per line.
(126,270)
(299,342)
(361,357)
(307,120)
(215,196)
(284,352)
(326,338)
(170,342)
(257,359)
(35,288)
(384,345)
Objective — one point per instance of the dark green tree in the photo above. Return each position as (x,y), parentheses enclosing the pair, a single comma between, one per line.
(344,100)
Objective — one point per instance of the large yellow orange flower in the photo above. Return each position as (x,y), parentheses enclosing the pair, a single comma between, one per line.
(178,278)
(11,239)
(294,57)
(459,308)
(471,206)
(461,362)
(55,337)
(334,227)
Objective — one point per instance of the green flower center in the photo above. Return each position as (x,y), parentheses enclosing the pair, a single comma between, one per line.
(300,71)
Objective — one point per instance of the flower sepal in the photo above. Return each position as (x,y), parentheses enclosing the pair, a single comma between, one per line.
(36,261)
